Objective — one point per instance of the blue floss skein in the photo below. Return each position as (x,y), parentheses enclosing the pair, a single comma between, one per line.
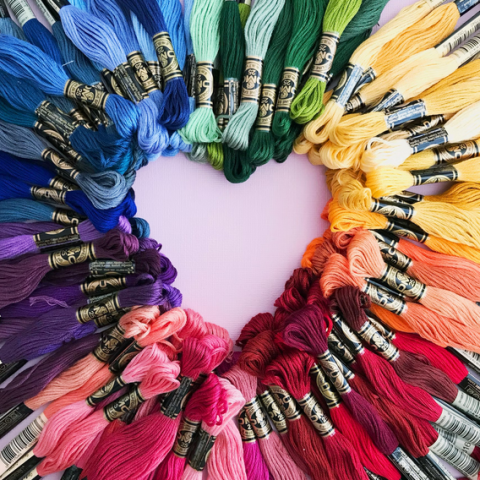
(16,117)
(187,12)
(100,149)
(175,110)
(103,220)
(140,227)
(105,189)
(7,25)
(152,137)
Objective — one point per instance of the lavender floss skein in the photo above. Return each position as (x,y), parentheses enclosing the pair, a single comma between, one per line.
(52,330)
(258,32)
(175,111)
(15,229)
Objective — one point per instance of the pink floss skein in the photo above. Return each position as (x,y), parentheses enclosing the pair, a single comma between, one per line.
(194,327)
(161,378)
(65,420)
(140,447)
(276,456)
(208,433)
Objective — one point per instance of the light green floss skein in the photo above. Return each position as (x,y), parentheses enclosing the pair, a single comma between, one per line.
(258,32)
(204,27)
(244,7)
(262,145)
(309,101)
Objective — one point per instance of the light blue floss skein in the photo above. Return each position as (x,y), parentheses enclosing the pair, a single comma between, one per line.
(98,41)
(205,30)
(258,32)
(105,189)
(25,210)
(7,25)
(27,61)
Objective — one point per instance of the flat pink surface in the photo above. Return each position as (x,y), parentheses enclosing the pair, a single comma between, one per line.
(233,245)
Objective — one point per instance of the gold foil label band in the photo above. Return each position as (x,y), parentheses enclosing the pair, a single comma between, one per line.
(331,397)
(267,106)
(166,56)
(48,195)
(204,85)
(123,405)
(378,343)
(246,429)
(252,80)
(286,402)
(258,418)
(274,412)
(47,240)
(110,344)
(142,71)
(98,309)
(185,435)
(314,413)
(94,287)
(287,89)
(71,256)
(324,58)
(85,94)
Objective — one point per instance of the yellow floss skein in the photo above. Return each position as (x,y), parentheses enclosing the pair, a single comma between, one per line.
(448,100)
(317,131)
(465,195)
(463,126)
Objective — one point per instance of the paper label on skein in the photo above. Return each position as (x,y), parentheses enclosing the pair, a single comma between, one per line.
(393,303)
(58,4)
(201,450)
(406,465)
(468,405)
(405,197)
(156,72)
(395,210)
(397,116)
(353,341)
(274,412)
(287,89)
(286,402)
(71,155)
(377,342)
(122,405)
(432,467)
(346,86)
(185,436)
(72,473)
(166,56)
(266,109)
(60,163)
(404,283)
(80,117)
(470,386)
(190,74)
(386,237)
(143,73)
(13,417)
(386,332)
(368,76)
(49,133)
(334,374)
(93,287)
(384,286)
(46,12)
(459,36)
(455,152)
(90,96)
(110,344)
(48,195)
(111,268)
(406,230)
(113,386)
(455,423)
(204,85)
(59,183)
(459,442)
(71,256)
(65,217)
(110,83)
(22,11)
(472,359)
(465,5)
(45,240)
(391,99)
(122,360)
(23,467)
(421,126)
(98,309)
(373,476)
(455,457)
(468,50)
(419,143)
(231,98)
(246,429)
(444,173)
(60,121)
(337,346)
(325,55)
(23,442)
(175,401)
(258,418)
(8,369)
(331,397)
(317,417)
(252,80)
(394,257)
(355,104)
(128,82)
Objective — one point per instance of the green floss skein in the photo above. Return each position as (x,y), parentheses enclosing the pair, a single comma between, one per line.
(262,146)
(368,16)
(244,6)
(307,26)
(284,144)
(309,101)
(215,155)
(258,32)
(204,27)
(345,50)
(199,153)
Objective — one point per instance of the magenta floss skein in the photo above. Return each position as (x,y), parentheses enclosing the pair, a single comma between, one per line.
(175,112)
(18,279)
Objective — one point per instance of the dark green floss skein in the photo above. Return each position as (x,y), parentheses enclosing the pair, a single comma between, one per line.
(366,18)
(284,144)
(345,50)
(262,145)
(307,27)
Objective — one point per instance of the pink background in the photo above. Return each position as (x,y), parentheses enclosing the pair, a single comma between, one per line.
(233,245)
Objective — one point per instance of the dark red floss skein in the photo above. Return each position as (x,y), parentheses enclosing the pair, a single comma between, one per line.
(301,280)
(258,353)
(306,331)
(291,371)
(259,323)
(407,366)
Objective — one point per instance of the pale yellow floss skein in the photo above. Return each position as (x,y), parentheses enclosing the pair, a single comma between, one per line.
(317,131)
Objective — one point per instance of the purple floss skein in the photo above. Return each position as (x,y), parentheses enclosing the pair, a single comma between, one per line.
(56,328)
(34,379)
(19,279)
(175,109)
(48,298)
(10,327)
(13,229)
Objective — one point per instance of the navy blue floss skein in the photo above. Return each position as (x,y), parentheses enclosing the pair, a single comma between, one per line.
(175,110)
(152,137)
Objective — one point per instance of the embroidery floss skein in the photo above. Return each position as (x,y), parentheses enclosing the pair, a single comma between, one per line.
(258,32)
(7,25)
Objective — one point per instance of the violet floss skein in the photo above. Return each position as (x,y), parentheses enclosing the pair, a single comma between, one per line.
(15,229)
(18,279)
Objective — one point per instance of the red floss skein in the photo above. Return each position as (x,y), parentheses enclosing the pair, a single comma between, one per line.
(257,324)
(218,462)
(277,458)
(292,370)
(64,421)
(18,279)
(367,261)
(160,378)
(369,454)
(305,331)
(207,404)
(143,445)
